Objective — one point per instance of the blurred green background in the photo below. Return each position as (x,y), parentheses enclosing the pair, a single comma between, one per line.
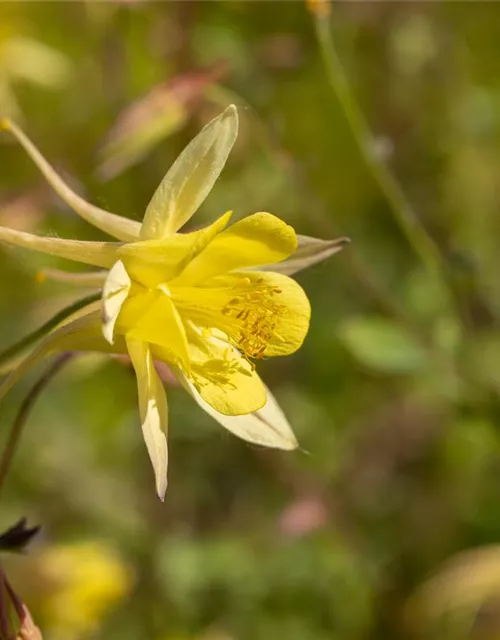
(385,524)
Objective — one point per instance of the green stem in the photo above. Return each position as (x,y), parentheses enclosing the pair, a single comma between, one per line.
(18,347)
(23,414)
(423,245)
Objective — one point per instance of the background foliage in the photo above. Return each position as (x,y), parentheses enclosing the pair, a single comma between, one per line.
(385,524)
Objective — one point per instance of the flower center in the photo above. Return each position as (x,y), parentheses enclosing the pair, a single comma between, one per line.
(247,311)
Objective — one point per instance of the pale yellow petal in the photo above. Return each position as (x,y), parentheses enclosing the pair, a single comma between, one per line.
(115,292)
(153,262)
(267,427)
(309,252)
(153,410)
(83,334)
(90,279)
(191,177)
(153,318)
(99,254)
(259,239)
(114,225)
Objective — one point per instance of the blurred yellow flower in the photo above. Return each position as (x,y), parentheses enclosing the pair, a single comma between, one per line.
(206,302)
(85,580)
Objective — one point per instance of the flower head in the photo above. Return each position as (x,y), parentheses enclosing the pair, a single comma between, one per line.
(209,303)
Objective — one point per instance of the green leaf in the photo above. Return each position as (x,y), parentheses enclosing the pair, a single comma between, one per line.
(383,345)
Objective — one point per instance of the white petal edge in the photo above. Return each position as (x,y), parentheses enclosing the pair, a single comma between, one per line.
(309,252)
(267,427)
(191,177)
(153,410)
(112,224)
(114,293)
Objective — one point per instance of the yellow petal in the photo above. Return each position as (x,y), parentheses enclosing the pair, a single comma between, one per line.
(222,377)
(267,427)
(259,239)
(310,251)
(263,313)
(116,226)
(83,334)
(94,279)
(292,322)
(99,254)
(153,409)
(242,394)
(152,317)
(153,262)
(191,177)
(115,292)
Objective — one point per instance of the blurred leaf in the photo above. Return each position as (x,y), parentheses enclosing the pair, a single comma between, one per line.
(447,334)
(159,114)
(425,296)
(456,593)
(482,358)
(383,345)
(33,61)
(413,45)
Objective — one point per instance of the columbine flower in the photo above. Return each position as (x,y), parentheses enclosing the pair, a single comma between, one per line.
(207,303)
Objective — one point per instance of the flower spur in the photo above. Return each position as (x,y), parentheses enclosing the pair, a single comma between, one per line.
(209,303)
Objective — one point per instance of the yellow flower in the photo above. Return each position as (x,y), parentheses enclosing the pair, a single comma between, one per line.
(84,581)
(207,303)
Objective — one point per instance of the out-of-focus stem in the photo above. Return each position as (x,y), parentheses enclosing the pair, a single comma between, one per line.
(5,626)
(418,238)
(59,317)
(24,412)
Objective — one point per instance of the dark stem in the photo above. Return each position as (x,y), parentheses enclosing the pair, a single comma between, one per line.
(24,411)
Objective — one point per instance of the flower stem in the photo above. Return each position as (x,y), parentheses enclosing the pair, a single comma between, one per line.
(19,346)
(423,245)
(23,414)
(5,626)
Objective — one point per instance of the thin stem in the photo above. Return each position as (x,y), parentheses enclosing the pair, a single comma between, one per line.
(423,245)
(19,346)
(24,412)
(5,626)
